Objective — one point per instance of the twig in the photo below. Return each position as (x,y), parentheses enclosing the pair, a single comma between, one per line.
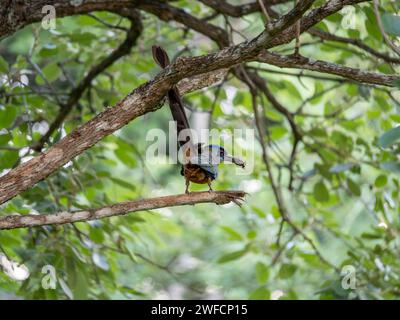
(382,30)
(355,42)
(297,28)
(264,10)
(108,25)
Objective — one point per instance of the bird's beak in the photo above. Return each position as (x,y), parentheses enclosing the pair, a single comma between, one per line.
(237,161)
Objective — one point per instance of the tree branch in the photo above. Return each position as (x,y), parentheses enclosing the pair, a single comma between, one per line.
(355,42)
(382,29)
(25,221)
(327,67)
(237,11)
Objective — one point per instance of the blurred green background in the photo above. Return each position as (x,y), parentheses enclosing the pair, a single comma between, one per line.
(345,196)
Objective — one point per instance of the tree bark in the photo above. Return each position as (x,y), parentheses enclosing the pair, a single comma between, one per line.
(304,63)
(25,221)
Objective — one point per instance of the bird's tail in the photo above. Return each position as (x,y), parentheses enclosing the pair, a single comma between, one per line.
(174,99)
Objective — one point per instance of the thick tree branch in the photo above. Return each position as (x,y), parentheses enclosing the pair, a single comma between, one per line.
(327,67)
(16,15)
(24,221)
(202,81)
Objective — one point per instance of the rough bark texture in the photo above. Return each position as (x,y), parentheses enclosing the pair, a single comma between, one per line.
(327,67)
(24,221)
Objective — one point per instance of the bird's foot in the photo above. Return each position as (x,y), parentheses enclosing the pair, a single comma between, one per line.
(187,187)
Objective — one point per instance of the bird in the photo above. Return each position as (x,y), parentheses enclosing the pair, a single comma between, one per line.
(200,161)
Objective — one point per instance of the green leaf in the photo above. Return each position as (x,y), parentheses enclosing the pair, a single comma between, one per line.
(251,234)
(371,25)
(96,234)
(232,256)
(287,270)
(3,65)
(258,212)
(77,280)
(48,50)
(123,183)
(84,38)
(321,193)
(4,138)
(239,98)
(125,157)
(381,181)
(8,159)
(292,89)
(126,289)
(262,272)
(260,294)
(371,236)
(354,188)
(389,137)
(391,24)
(232,233)
(7,116)
(51,72)
(278,132)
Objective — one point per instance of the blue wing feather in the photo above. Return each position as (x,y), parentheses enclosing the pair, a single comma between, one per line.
(211,170)
(207,162)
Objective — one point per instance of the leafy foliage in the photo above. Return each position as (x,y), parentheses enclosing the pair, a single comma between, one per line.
(345,195)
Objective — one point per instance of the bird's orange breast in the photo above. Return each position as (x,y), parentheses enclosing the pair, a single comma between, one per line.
(195,174)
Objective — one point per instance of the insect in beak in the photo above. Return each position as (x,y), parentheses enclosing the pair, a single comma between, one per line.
(237,161)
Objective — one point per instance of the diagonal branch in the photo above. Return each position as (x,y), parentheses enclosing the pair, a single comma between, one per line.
(24,221)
